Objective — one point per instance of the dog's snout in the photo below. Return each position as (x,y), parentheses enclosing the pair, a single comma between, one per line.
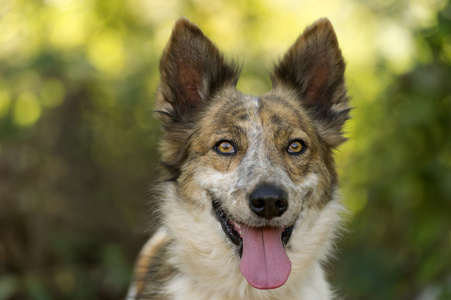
(268,201)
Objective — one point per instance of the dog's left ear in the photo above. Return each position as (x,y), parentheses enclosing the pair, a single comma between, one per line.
(314,68)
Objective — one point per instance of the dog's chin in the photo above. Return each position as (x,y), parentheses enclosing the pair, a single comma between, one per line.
(232,229)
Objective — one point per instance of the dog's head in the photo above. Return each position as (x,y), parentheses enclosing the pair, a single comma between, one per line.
(260,165)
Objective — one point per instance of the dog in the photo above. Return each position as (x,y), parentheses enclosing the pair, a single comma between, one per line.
(250,206)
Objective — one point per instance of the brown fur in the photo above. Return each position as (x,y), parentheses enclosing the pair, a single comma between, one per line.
(199,107)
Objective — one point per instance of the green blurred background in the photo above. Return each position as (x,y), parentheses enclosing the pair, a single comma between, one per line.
(78,137)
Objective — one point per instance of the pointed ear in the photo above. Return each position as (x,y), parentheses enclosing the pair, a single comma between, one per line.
(192,71)
(314,68)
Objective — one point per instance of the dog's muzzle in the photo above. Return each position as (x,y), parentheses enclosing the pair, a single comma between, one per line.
(264,262)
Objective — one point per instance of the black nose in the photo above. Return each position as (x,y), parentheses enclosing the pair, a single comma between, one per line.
(268,201)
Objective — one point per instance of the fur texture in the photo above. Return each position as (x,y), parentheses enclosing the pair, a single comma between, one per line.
(221,146)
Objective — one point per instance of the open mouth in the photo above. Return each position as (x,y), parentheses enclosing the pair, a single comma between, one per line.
(232,229)
(263,260)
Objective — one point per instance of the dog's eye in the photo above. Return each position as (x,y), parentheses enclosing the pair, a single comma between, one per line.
(296,147)
(225,148)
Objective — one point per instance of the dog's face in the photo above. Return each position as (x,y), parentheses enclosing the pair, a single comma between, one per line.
(259,164)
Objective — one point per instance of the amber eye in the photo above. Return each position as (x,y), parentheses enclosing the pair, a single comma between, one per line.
(225,148)
(296,147)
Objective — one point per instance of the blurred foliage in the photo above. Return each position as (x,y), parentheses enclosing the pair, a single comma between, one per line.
(78,139)
(400,246)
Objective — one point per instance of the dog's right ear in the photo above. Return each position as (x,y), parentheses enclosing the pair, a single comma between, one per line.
(192,71)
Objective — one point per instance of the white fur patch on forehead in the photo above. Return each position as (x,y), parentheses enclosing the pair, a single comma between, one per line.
(255,132)
(251,104)
(255,101)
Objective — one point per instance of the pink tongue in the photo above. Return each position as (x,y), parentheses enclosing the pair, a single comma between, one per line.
(264,263)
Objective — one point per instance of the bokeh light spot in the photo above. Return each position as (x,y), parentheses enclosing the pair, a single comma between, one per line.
(106,53)
(27,109)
